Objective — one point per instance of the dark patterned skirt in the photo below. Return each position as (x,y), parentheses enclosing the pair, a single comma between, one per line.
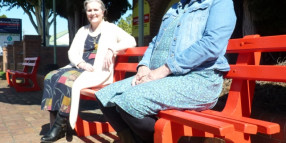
(57,90)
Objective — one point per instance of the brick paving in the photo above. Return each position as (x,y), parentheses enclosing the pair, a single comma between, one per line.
(22,120)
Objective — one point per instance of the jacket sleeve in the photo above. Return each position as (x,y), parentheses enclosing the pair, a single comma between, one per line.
(219,27)
(76,48)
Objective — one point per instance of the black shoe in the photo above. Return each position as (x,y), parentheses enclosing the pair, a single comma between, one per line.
(57,131)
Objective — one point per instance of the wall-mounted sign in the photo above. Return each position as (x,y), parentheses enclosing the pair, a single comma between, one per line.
(10,25)
(10,30)
(135,23)
(8,38)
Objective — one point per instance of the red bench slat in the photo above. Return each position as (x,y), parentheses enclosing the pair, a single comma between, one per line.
(134,52)
(260,44)
(239,125)
(128,67)
(199,122)
(258,72)
(29,64)
(262,126)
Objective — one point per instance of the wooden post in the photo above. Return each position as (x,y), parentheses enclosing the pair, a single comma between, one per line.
(5,55)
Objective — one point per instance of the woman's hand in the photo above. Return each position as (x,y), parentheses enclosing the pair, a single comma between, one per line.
(142,71)
(86,66)
(150,75)
(156,74)
(108,59)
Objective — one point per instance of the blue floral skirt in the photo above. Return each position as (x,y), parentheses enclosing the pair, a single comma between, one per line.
(197,90)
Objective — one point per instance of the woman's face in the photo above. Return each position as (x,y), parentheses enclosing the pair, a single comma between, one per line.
(94,12)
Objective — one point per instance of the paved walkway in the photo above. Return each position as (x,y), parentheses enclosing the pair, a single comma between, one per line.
(22,121)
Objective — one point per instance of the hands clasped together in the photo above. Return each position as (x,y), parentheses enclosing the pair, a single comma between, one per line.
(144,74)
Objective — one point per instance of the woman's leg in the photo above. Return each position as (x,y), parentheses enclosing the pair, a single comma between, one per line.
(57,131)
(57,97)
(113,117)
(53,115)
(122,122)
(144,128)
(115,120)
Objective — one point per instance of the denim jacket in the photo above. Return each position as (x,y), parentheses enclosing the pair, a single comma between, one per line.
(201,37)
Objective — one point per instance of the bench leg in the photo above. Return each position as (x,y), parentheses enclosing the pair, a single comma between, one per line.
(85,128)
(26,86)
(16,85)
(167,132)
(238,137)
(35,85)
(8,78)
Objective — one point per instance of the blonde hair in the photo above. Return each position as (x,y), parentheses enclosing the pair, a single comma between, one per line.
(99,1)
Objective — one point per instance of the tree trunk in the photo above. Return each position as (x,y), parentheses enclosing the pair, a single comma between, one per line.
(71,28)
(48,25)
(248,27)
(38,23)
(238,7)
(72,21)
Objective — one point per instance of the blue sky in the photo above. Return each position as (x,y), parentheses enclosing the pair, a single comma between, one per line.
(27,27)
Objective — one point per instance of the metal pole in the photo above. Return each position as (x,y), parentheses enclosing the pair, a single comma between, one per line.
(44,23)
(141,23)
(21,30)
(55,32)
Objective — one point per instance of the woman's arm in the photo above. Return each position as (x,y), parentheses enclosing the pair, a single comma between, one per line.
(219,27)
(124,40)
(143,66)
(74,53)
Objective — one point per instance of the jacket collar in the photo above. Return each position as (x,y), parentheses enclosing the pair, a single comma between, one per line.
(184,2)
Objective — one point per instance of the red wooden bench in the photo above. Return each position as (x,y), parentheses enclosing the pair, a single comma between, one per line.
(233,124)
(121,67)
(28,74)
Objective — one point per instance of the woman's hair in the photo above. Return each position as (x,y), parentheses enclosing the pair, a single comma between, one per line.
(99,1)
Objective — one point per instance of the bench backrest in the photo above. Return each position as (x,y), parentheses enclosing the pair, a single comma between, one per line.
(243,73)
(249,50)
(123,63)
(248,69)
(31,64)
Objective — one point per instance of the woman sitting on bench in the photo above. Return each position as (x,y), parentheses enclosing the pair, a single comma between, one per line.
(181,69)
(92,55)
